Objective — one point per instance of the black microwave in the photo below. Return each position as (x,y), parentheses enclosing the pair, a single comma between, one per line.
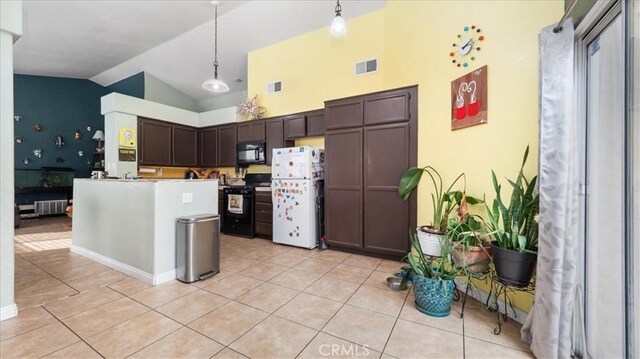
(251,153)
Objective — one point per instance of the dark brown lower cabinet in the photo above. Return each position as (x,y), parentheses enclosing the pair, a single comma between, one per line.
(363,165)
(264,214)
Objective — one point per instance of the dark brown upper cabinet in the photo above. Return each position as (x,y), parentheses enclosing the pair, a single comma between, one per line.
(274,130)
(344,113)
(251,131)
(295,126)
(244,132)
(227,140)
(315,123)
(258,130)
(388,107)
(185,146)
(209,147)
(154,142)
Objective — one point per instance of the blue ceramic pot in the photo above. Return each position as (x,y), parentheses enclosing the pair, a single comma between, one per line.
(433,296)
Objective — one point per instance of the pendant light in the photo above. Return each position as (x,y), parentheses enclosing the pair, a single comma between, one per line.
(214,84)
(338,25)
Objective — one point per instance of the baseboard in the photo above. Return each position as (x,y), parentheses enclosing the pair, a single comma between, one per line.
(167,276)
(125,268)
(8,311)
(520,315)
(119,266)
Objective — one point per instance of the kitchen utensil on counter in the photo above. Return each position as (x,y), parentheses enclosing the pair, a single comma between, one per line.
(240,172)
(191,174)
(223,179)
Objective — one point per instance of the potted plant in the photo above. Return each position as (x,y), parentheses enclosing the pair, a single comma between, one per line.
(472,251)
(433,278)
(443,201)
(514,229)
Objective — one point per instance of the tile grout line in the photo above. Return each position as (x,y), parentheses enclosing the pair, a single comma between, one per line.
(270,314)
(74,333)
(396,321)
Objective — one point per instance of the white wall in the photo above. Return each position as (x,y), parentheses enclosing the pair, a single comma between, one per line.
(221,101)
(159,91)
(113,122)
(10,31)
(220,116)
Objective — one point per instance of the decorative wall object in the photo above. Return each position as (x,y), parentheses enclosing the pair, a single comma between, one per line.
(26,161)
(19,139)
(58,141)
(37,127)
(17,118)
(466,47)
(77,135)
(127,138)
(37,152)
(80,153)
(469,99)
(59,160)
(88,128)
(251,109)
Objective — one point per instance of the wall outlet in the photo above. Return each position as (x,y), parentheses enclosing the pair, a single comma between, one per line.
(187,197)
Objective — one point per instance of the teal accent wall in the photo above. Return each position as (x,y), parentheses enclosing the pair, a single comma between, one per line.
(131,86)
(61,106)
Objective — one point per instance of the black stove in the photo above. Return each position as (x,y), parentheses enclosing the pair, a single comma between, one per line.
(239,201)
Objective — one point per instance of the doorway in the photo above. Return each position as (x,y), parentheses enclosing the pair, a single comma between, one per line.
(610,147)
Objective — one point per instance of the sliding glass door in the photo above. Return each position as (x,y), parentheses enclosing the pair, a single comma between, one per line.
(609,76)
(604,260)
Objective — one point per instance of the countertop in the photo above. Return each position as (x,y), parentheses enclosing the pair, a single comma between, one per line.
(152,180)
(258,189)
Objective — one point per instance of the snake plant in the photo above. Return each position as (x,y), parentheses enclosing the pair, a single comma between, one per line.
(515,227)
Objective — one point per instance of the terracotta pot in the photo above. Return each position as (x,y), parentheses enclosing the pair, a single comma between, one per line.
(430,241)
(477,259)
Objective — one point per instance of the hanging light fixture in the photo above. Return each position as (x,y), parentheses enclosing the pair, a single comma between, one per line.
(214,84)
(338,26)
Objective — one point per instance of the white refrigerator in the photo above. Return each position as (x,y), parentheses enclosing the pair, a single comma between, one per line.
(296,188)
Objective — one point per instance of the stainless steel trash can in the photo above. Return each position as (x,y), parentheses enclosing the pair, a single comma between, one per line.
(197,247)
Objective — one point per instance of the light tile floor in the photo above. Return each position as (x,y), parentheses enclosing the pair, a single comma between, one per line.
(268,301)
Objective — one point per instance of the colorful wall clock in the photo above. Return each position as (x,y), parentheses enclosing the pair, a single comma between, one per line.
(466,47)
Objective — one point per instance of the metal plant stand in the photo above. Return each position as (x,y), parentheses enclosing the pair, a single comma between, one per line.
(500,288)
(470,276)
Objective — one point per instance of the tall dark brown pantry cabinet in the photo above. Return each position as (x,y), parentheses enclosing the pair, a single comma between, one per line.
(370,141)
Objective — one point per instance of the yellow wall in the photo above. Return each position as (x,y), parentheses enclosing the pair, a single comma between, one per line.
(412,40)
(315,67)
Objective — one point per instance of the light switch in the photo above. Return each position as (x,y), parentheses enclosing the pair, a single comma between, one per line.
(187,197)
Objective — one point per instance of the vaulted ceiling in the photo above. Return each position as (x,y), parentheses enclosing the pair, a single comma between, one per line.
(107,41)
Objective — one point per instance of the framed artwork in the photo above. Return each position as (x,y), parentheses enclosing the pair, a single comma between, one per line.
(469,99)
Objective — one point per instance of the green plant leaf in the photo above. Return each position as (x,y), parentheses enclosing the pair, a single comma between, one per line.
(409,181)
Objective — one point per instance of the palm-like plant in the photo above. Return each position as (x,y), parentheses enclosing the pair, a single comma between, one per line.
(443,201)
(518,229)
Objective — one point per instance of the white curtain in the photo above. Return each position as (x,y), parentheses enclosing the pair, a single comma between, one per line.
(548,326)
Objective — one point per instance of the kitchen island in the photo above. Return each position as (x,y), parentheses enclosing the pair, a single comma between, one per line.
(130,225)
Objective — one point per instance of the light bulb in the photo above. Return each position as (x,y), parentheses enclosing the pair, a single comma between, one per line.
(215,85)
(338,26)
